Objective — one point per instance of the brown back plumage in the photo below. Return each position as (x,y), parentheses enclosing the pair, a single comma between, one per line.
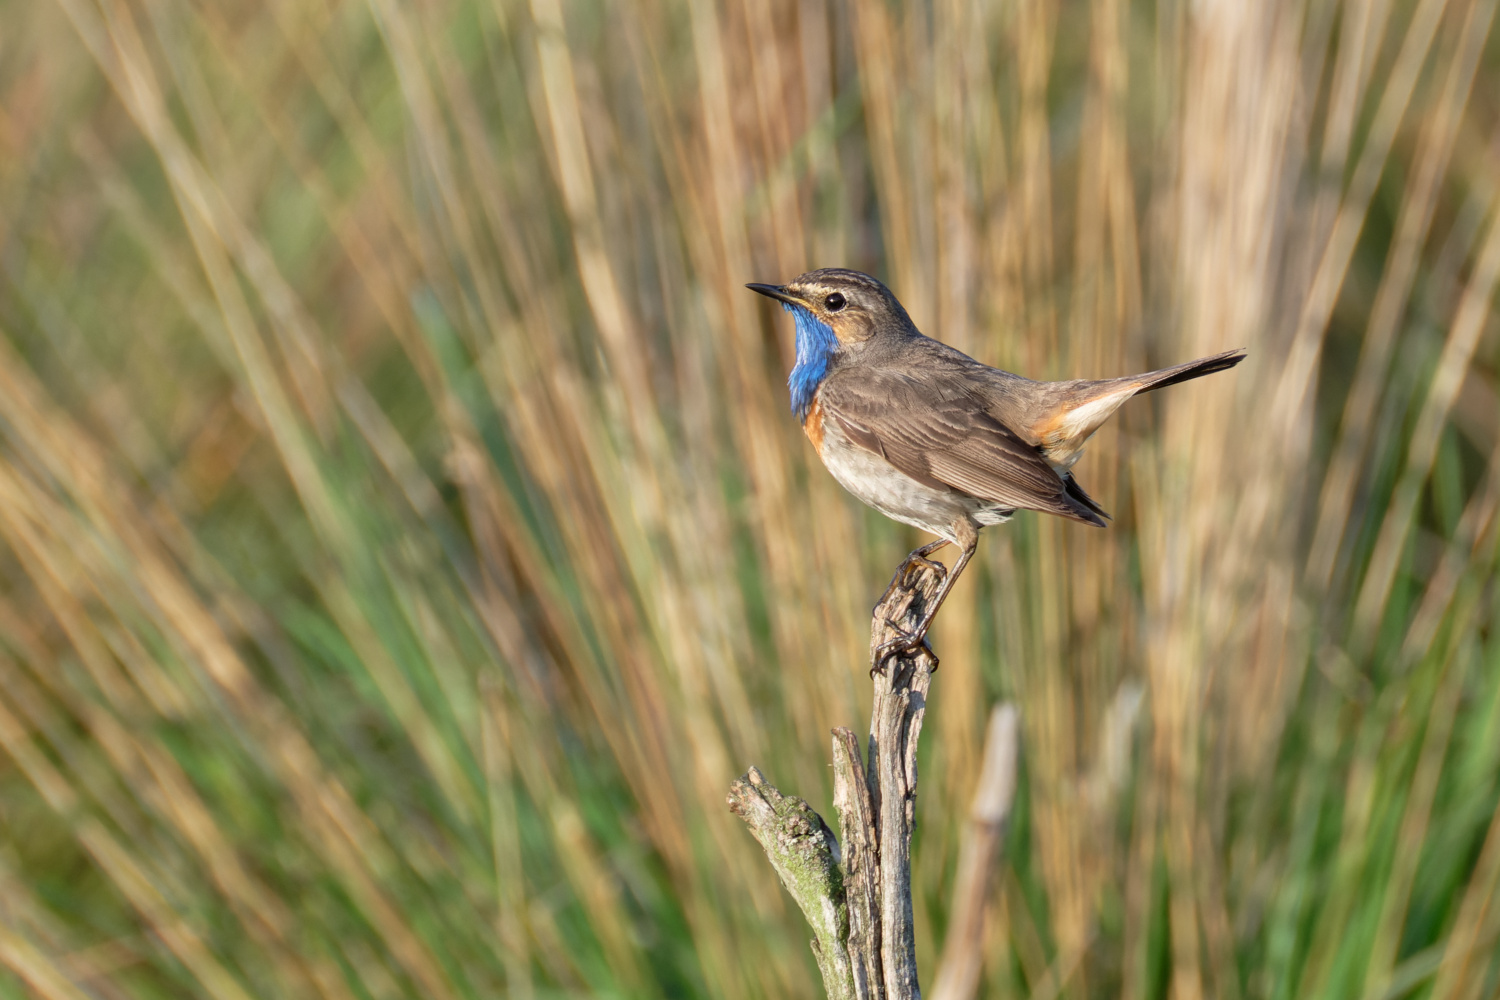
(949,421)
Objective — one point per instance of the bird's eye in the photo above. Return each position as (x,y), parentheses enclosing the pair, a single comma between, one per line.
(834,302)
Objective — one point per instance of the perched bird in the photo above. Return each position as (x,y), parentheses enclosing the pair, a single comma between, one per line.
(929,436)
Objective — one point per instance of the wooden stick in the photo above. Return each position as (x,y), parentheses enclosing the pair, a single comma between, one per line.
(857,897)
(861,864)
(901,685)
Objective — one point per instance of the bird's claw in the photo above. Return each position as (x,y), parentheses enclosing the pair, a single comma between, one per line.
(919,562)
(903,642)
(902,578)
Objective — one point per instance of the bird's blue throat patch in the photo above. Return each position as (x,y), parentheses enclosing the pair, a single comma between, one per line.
(816,344)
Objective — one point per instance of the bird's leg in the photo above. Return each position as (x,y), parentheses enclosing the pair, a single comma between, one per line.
(913,639)
(917,557)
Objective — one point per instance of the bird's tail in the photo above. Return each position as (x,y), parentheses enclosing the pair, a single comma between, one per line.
(1063,427)
(1187,370)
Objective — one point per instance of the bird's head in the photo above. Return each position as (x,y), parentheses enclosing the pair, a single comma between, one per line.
(853,306)
(835,310)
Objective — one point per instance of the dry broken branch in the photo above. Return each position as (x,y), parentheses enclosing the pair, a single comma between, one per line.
(857,896)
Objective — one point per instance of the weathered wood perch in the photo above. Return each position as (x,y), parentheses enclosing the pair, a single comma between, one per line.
(856,890)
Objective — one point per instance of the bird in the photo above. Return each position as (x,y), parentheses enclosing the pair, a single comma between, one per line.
(932,438)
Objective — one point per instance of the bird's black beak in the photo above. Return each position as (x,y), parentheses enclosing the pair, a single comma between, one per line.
(775,292)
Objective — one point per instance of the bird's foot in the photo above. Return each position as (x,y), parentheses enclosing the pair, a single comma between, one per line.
(903,642)
(922,562)
(914,562)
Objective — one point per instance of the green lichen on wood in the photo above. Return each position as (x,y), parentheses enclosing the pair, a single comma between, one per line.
(805,854)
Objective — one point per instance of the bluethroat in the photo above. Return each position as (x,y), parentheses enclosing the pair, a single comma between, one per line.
(929,436)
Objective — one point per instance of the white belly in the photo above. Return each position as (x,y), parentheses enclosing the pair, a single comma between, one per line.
(874,481)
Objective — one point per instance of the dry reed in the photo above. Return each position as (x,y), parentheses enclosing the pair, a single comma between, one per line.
(405,540)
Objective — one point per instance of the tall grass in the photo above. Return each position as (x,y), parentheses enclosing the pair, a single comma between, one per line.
(404,540)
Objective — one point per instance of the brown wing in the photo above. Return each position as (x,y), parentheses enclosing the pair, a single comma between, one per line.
(937,430)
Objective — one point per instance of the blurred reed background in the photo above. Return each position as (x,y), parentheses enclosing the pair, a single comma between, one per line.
(405,540)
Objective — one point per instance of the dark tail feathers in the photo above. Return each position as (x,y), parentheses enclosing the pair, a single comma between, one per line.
(1189,370)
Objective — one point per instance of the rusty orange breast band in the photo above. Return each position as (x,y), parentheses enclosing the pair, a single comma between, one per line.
(812,424)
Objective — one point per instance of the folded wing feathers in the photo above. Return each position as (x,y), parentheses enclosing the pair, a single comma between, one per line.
(952,442)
